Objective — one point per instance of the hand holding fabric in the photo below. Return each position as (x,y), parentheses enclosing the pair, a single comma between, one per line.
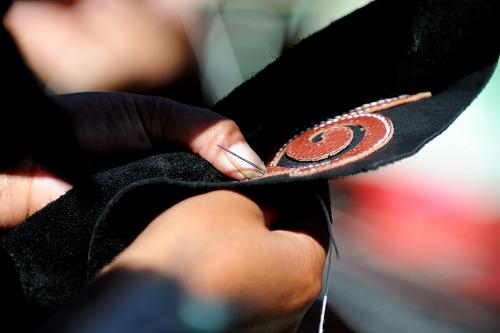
(108,125)
(256,262)
(114,128)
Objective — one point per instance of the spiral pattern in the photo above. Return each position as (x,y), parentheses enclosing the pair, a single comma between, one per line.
(331,143)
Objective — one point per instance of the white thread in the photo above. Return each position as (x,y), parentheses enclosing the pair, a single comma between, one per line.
(333,247)
(322,316)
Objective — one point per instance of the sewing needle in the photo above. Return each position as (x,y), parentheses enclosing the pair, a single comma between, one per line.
(243,159)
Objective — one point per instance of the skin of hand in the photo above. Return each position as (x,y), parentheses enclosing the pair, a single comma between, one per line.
(237,256)
(222,245)
(130,123)
(216,245)
(99,44)
(25,191)
(115,123)
(81,45)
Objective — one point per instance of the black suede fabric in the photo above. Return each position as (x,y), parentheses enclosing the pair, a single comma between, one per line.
(84,231)
(54,264)
(385,49)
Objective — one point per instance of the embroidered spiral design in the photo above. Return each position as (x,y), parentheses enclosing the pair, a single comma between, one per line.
(326,146)
(336,142)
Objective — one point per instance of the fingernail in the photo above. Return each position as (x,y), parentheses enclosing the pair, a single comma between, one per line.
(245,169)
(236,175)
(249,174)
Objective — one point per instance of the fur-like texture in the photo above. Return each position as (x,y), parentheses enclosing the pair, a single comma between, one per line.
(388,48)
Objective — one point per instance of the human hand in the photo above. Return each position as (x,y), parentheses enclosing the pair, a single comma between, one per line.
(223,245)
(82,45)
(216,262)
(114,124)
(110,126)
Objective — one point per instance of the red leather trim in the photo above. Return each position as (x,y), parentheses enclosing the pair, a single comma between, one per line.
(316,145)
(378,131)
(331,140)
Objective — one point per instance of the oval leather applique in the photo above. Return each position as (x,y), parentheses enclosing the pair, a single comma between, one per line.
(336,142)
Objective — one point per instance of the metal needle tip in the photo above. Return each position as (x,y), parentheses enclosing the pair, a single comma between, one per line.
(263,171)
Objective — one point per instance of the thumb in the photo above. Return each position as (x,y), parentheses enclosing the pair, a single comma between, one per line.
(224,133)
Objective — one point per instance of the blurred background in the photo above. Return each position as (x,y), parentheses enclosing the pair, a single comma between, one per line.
(419,239)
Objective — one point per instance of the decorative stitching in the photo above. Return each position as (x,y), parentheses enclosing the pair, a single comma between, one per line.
(319,144)
(378,131)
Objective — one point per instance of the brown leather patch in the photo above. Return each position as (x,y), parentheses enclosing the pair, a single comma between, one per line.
(330,144)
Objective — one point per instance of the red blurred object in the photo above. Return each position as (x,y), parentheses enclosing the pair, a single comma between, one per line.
(440,236)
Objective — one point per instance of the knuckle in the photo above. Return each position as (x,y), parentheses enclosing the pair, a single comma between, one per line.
(228,132)
(223,132)
(312,277)
(311,285)
(231,125)
(304,291)
(315,288)
(228,128)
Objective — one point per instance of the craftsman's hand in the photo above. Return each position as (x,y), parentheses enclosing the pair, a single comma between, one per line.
(223,245)
(82,45)
(110,124)
(114,126)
